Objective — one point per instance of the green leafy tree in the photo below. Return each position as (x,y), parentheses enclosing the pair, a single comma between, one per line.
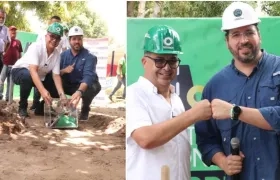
(177,8)
(71,13)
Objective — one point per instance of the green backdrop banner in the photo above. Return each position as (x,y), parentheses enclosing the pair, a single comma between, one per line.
(26,38)
(205,53)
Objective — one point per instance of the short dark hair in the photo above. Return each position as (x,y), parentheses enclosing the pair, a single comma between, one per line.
(56,17)
(227,31)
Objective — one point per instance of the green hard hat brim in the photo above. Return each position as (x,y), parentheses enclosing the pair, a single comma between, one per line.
(165,52)
(55,33)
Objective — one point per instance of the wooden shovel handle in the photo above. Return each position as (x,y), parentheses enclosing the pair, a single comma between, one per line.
(165,174)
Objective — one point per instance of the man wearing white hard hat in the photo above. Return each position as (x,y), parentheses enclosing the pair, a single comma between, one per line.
(78,71)
(245,104)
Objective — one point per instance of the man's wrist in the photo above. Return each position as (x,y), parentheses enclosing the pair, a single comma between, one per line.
(61,94)
(80,91)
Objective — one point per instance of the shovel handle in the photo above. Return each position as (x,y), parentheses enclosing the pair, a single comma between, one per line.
(165,173)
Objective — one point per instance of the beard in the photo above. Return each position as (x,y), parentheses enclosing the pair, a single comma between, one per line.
(246,53)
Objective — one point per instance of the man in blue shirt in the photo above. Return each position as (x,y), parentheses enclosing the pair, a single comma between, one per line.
(245,103)
(78,71)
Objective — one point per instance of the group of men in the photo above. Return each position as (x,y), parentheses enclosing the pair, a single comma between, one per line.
(242,100)
(56,65)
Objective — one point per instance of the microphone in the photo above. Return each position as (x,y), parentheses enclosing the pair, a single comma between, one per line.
(235,143)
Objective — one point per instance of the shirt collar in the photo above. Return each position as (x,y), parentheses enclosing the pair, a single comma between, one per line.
(150,87)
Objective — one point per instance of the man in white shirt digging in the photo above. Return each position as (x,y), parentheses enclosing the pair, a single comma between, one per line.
(41,61)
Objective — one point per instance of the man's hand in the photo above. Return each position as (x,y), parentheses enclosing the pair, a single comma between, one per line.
(202,110)
(232,164)
(63,99)
(221,109)
(46,96)
(68,69)
(75,99)
(120,76)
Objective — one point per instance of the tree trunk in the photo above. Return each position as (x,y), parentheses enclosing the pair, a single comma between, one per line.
(156,9)
(130,8)
(141,9)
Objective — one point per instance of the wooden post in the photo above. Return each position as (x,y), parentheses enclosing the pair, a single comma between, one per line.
(165,174)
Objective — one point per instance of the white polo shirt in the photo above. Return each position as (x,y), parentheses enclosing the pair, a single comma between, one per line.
(36,54)
(62,42)
(4,38)
(146,107)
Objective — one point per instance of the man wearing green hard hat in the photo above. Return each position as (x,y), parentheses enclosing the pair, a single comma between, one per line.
(35,68)
(156,130)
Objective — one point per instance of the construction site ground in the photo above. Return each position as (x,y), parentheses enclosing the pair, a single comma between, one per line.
(94,151)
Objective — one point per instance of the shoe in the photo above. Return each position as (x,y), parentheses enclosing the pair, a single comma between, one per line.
(83,116)
(34,105)
(110,97)
(23,112)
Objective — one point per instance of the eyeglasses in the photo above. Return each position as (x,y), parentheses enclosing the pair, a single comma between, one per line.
(247,34)
(54,37)
(161,63)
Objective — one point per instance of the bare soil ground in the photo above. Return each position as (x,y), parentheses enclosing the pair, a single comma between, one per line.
(94,151)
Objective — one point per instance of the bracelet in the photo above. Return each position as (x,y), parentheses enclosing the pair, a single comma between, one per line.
(80,92)
(231,112)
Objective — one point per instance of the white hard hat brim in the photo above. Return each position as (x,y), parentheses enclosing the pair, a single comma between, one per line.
(239,24)
(78,34)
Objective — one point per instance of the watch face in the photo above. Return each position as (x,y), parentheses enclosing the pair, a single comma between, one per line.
(236,109)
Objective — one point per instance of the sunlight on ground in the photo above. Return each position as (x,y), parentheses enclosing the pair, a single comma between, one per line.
(81,171)
(29,134)
(77,133)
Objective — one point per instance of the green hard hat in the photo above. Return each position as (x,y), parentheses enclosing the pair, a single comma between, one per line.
(56,28)
(162,39)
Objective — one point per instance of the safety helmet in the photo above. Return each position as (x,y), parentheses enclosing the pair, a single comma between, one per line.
(75,31)
(65,28)
(55,28)
(162,39)
(239,14)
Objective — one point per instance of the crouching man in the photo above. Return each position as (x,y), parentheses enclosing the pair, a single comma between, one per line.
(78,71)
(40,66)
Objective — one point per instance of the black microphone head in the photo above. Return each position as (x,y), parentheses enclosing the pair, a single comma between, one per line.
(235,143)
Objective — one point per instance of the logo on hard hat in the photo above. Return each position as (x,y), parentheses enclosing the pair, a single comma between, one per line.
(147,35)
(168,43)
(57,29)
(76,29)
(237,12)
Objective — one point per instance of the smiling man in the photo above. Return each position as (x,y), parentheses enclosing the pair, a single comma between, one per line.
(156,131)
(245,103)
(38,66)
(78,71)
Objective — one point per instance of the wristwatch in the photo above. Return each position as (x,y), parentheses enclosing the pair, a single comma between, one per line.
(81,92)
(235,112)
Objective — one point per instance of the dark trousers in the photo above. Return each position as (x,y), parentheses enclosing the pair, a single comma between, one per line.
(118,86)
(22,77)
(36,96)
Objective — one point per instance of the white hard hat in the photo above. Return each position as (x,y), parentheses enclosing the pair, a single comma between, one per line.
(76,31)
(238,14)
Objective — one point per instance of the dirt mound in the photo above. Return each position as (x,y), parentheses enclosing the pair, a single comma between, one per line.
(96,150)
(10,122)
